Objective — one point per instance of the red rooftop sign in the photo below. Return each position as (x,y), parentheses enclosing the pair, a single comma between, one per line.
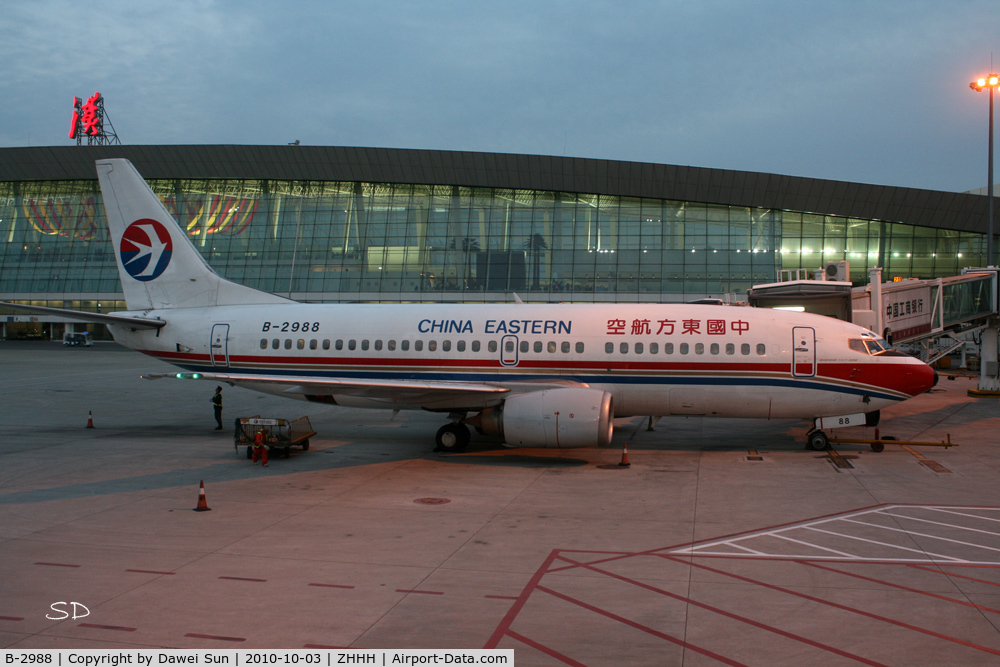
(86,118)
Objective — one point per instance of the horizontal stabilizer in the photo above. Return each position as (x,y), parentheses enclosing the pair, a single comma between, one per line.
(97,318)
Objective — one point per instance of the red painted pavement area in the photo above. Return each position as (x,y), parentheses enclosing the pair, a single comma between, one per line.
(560,560)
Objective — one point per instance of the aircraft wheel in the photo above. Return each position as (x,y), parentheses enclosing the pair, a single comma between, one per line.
(452,438)
(305,445)
(878,446)
(818,441)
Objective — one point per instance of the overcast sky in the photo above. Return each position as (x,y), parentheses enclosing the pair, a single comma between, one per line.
(873,91)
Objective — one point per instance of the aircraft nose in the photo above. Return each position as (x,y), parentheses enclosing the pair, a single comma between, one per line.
(926,378)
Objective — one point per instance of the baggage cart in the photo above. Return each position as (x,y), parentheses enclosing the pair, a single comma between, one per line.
(283,434)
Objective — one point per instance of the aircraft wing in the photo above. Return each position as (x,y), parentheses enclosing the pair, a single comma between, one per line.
(80,316)
(417,392)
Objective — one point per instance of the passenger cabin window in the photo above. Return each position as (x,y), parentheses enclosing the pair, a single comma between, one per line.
(313,344)
(432,346)
(392,345)
(364,344)
(537,346)
(524,346)
(326,344)
(352,344)
(509,346)
(275,344)
(378,345)
(339,344)
(492,346)
(475,346)
(579,348)
(745,348)
(404,345)
(446,346)
(460,346)
(552,347)
(761,349)
(288,343)
(609,348)
(418,345)
(699,348)
(565,347)
(638,348)
(730,348)
(623,348)
(654,348)
(714,349)
(263,343)
(668,348)
(684,348)
(300,344)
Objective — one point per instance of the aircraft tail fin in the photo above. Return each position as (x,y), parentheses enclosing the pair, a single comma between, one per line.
(158,265)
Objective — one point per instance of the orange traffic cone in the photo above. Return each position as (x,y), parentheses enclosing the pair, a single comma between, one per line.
(624,462)
(90,419)
(202,503)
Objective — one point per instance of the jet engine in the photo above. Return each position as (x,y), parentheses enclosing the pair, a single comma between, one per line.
(564,417)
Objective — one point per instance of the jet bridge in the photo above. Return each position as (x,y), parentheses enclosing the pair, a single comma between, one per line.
(947,309)
(910,310)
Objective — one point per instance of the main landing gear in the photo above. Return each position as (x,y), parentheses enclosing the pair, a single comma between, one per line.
(452,438)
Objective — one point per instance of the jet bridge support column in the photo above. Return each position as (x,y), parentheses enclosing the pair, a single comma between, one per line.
(989,356)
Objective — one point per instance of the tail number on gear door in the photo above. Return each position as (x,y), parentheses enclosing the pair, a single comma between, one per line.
(290,326)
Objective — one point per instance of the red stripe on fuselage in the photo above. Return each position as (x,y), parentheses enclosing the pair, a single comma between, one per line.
(905,376)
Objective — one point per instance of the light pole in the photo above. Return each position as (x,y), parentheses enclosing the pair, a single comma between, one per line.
(988,82)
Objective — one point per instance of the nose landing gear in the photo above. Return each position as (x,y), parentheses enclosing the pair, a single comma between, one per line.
(817,440)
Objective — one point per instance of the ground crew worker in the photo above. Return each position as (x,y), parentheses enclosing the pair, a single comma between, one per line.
(260,446)
(217,404)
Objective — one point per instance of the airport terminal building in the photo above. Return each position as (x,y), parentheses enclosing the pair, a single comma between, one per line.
(342,224)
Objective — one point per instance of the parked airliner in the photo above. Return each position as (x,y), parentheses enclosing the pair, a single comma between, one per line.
(537,375)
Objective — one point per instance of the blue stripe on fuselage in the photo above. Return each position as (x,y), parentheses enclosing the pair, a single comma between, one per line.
(606,378)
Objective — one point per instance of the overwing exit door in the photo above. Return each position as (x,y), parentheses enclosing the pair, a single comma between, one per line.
(508,351)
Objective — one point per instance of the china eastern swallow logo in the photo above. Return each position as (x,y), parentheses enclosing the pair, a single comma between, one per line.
(145,249)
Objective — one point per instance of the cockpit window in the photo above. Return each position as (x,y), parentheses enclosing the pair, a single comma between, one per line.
(867,345)
(875,346)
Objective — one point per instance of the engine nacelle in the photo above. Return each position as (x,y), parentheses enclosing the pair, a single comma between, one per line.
(565,417)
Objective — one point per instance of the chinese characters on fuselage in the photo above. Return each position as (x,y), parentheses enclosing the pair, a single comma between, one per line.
(668,327)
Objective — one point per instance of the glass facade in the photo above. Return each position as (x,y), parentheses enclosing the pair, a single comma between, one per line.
(357,241)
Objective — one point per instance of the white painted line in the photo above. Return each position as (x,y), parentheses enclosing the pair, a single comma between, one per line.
(933,537)
(816,546)
(947,525)
(753,551)
(886,544)
(974,516)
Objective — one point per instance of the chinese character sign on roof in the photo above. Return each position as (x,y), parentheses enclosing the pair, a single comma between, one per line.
(89,120)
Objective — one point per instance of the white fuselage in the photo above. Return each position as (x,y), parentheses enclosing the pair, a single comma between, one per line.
(655,359)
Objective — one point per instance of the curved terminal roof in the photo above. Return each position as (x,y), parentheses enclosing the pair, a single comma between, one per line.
(926,208)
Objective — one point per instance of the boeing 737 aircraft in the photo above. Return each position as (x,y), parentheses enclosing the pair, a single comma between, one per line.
(537,375)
